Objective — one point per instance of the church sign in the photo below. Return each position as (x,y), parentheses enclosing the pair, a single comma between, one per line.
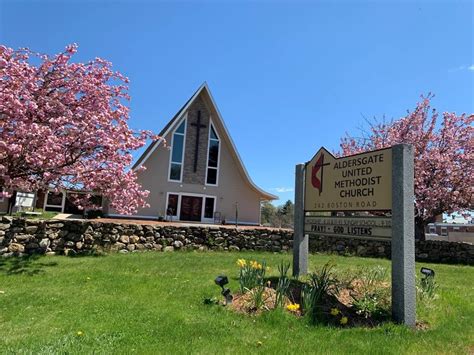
(353,183)
(363,196)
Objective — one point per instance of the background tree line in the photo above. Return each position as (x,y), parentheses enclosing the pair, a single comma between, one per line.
(278,216)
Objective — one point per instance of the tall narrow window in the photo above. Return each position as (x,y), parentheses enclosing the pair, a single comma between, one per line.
(177,153)
(213,157)
(172,209)
(209,208)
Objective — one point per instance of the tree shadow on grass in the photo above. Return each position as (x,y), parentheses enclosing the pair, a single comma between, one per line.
(25,265)
(87,254)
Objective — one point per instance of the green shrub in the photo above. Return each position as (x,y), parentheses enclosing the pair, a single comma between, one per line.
(426,288)
(283,284)
(372,299)
(258,293)
(321,284)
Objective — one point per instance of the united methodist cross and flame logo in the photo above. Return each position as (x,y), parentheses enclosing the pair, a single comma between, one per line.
(319,166)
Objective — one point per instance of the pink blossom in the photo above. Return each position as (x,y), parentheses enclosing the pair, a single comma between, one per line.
(64,125)
(444,156)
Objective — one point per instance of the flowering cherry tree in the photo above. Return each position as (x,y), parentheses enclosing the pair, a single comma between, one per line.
(64,125)
(444,157)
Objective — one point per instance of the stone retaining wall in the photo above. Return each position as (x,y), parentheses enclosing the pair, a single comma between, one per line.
(19,237)
(428,250)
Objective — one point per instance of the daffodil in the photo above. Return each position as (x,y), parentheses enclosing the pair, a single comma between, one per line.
(344,320)
(79,333)
(259,266)
(293,307)
(334,311)
(254,264)
(241,263)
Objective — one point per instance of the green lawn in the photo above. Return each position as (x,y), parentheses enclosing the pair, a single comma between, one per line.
(152,303)
(43,215)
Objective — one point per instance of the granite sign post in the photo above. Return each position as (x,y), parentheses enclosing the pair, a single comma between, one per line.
(364,196)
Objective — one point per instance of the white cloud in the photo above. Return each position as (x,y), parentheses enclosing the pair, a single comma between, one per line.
(282,189)
(462,67)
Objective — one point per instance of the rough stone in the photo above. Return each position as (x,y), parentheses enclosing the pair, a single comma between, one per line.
(16,248)
(124,239)
(134,239)
(31,246)
(178,244)
(4,226)
(44,243)
(31,229)
(55,225)
(168,248)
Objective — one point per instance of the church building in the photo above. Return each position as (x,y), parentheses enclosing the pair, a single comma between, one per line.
(198,175)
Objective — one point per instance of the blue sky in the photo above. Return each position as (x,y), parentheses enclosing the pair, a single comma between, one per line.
(288,77)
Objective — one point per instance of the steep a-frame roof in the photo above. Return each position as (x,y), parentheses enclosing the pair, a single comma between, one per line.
(204,89)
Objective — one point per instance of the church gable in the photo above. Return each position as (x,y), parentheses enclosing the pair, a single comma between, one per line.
(203,144)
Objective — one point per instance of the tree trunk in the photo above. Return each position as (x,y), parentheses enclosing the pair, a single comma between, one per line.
(420,226)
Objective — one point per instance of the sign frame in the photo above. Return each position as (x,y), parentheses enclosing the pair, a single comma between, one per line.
(402,235)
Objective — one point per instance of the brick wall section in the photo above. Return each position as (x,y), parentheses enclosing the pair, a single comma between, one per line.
(20,237)
(189,176)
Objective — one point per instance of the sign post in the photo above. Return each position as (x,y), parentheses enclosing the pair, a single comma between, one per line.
(380,182)
(403,236)
(300,239)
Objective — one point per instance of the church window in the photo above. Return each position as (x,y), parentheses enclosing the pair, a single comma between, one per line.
(172,209)
(177,153)
(213,157)
(209,207)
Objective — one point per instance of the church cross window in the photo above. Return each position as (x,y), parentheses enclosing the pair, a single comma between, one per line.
(198,126)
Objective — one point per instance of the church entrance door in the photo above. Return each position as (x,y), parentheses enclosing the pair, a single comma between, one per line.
(191,208)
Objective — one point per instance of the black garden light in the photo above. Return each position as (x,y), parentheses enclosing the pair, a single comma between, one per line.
(221,281)
(427,272)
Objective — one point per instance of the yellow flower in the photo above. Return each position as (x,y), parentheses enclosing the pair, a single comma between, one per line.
(254,264)
(259,266)
(293,307)
(241,263)
(334,311)
(259,343)
(344,320)
(79,333)
(268,268)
